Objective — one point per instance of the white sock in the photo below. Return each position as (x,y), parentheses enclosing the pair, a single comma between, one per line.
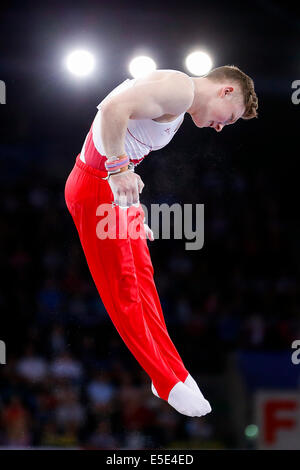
(192,384)
(189,382)
(187,402)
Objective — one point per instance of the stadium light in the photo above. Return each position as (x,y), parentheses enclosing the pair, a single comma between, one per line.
(80,63)
(141,66)
(198,63)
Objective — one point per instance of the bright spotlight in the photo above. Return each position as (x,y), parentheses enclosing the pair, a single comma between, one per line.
(198,63)
(80,63)
(141,66)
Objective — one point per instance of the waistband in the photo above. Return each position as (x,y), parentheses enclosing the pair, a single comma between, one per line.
(89,169)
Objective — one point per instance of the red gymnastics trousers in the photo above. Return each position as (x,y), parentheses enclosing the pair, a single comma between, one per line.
(122,270)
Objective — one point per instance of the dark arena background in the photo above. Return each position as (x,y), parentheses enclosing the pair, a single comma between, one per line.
(67,380)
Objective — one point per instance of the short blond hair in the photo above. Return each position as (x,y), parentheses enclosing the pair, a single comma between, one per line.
(246,84)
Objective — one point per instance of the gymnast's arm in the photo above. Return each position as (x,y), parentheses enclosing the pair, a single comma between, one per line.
(173,94)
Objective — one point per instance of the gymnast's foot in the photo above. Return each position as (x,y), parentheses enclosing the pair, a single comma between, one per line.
(189,382)
(188,402)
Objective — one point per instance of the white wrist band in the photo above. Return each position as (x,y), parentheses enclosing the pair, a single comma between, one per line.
(130,168)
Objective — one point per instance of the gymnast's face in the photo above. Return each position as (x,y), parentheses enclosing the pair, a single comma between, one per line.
(223,107)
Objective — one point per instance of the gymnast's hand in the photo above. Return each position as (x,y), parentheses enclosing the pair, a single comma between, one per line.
(126,187)
(148,232)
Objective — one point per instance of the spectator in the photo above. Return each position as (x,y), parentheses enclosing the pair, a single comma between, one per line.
(16,422)
(32,367)
(65,366)
(100,391)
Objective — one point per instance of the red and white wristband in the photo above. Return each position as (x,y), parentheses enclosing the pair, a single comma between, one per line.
(114,165)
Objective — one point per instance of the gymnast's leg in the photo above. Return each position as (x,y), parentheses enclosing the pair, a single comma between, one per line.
(154,315)
(112,267)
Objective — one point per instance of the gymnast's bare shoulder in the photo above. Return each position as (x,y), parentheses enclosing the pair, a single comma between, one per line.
(162,92)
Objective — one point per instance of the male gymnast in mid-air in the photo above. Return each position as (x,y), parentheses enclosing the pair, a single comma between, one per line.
(139,116)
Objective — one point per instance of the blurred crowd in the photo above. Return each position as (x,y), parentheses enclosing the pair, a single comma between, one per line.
(70,381)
